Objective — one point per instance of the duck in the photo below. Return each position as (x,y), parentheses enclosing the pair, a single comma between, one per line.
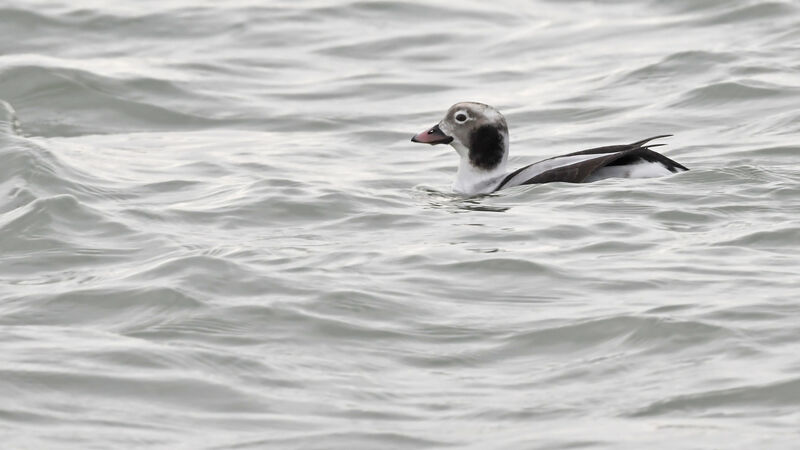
(479,134)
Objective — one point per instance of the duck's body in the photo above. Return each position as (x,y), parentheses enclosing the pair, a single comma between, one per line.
(479,135)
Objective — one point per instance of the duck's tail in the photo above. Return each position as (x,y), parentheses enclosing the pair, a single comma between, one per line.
(645,141)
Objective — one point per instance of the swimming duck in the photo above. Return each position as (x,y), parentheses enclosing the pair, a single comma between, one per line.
(479,134)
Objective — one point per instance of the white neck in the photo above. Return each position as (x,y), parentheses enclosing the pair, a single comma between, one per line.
(471,180)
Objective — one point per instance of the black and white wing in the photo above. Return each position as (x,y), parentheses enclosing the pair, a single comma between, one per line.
(635,160)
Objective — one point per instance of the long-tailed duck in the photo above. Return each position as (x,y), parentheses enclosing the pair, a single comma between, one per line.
(479,134)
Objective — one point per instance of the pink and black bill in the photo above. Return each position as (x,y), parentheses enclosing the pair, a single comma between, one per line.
(432,136)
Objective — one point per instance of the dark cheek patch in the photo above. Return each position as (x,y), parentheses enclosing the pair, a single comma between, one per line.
(486,147)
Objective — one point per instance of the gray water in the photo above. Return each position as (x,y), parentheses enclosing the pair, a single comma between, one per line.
(215,233)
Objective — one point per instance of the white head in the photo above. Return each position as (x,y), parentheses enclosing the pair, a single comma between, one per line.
(479,134)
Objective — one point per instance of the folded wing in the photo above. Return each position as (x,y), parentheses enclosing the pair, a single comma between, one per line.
(588,165)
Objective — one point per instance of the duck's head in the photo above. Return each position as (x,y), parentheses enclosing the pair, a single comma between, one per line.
(478,132)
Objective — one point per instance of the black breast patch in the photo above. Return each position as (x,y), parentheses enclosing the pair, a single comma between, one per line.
(486,147)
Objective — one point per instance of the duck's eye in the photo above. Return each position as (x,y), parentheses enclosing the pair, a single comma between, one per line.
(461,117)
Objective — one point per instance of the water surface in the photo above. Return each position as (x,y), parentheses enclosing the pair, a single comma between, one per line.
(215,233)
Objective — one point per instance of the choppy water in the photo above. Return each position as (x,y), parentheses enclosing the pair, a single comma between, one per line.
(214,232)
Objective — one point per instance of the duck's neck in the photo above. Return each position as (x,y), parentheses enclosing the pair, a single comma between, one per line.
(472,180)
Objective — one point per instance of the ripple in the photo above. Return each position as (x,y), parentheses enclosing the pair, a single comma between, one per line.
(9,124)
(110,308)
(617,332)
(354,439)
(93,100)
(760,11)
(774,240)
(780,395)
(730,92)
(681,64)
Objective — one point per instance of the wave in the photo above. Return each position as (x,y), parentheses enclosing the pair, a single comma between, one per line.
(748,13)
(771,396)
(85,102)
(723,93)
(9,124)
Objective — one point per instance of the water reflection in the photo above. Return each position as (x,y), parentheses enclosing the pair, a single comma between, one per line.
(456,203)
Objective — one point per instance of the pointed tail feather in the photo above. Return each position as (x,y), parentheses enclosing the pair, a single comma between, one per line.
(645,141)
